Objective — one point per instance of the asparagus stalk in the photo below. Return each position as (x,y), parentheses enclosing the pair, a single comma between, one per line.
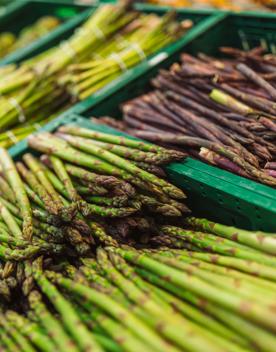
(104,302)
(10,221)
(254,310)
(69,317)
(262,241)
(250,267)
(67,153)
(21,341)
(20,194)
(109,138)
(64,178)
(125,165)
(32,181)
(221,247)
(31,331)
(37,169)
(51,324)
(170,330)
(122,151)
(256,335)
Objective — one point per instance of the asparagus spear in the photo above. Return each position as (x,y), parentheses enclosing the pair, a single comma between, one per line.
(247,266)
(10,221)
(18,337)
(249,73)
(109,138)
(116,310)
(51,324)
(254,310)
(122,151)
(259,240)
(20,194)
(31,331)
(64,178)
(41,143)
(180,306)
(37,188)
(68,315)
(125,165)
(6,191)
(221,247)
(127,341)
(256,335)
(8,342)
(171,330)
(37,169)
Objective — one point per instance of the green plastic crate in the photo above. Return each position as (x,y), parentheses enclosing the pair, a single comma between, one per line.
(254,204)
(206,197)
(23,13)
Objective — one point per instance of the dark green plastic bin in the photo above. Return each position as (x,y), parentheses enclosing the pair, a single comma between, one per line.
(254,204)
(23,13)
(206,196)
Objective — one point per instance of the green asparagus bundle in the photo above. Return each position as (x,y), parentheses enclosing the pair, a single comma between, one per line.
(86,78)
(113,39)
(10,42)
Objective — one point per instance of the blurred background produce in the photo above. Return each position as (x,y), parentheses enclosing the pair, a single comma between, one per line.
(112,40)
(10,42)
(239,5)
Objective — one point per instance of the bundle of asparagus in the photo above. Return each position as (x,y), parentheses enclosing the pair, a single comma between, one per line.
(219,111)
(76,276)
(113,39)
(136,42)
(10,42)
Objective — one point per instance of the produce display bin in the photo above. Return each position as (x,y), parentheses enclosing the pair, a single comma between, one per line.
(208,196)
(254,204)
(23,13)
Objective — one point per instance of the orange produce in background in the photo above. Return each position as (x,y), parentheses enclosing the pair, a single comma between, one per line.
(220,4)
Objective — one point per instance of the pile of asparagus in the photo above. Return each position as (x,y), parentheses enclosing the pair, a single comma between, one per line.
(220,111)
(85,186)
(113,39)
(10,42)
(88,264)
